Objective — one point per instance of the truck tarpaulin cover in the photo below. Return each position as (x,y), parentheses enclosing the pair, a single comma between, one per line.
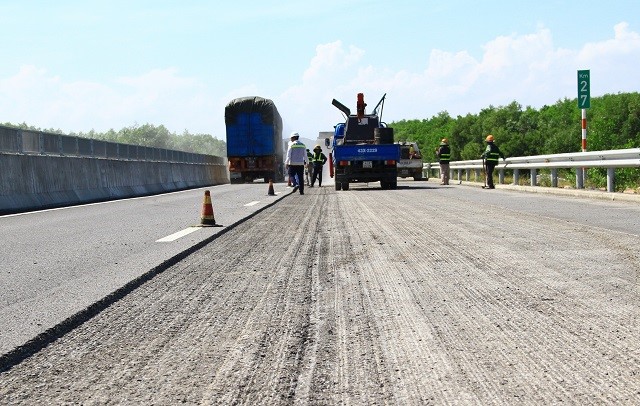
(254,127)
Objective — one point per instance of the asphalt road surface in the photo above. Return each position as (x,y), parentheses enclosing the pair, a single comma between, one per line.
(56,263)
(421,295)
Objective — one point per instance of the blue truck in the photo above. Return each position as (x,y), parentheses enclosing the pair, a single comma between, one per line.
(254,140)
(362,149)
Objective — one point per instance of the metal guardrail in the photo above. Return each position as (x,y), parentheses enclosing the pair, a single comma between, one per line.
(612,159)
(28,142)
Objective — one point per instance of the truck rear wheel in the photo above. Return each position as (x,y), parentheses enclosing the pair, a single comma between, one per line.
(338,185)
(345,185)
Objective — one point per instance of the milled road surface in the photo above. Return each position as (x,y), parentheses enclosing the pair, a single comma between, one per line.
(366,297)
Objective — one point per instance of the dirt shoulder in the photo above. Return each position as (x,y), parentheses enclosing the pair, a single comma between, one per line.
(338,298)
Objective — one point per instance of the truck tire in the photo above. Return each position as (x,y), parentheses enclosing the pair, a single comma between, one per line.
(393,184)
(338,185)
(345,185)
(384,184)
(417,177)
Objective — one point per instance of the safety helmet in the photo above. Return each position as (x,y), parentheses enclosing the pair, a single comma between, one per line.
(489,138)
(295,136)
(317,147)
(444,141)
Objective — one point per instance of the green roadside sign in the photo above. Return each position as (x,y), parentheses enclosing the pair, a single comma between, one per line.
(584,89)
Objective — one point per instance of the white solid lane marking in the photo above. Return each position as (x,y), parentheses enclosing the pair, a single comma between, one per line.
(179,234)
(252,203)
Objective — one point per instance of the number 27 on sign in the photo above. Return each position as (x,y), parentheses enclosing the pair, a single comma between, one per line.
(584,96)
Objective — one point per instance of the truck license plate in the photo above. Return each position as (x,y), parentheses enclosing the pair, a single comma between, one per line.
(367,164)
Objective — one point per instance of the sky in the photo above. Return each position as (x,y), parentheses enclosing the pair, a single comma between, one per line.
(96,65)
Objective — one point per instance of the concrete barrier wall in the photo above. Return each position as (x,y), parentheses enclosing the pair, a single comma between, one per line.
(31,182)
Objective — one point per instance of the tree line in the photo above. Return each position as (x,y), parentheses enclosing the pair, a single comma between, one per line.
(613,122)
(149,135)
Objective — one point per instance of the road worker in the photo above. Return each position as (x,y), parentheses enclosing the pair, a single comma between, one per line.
(308,168)
(318,159)
(296,161)
(491,156)
(443,152)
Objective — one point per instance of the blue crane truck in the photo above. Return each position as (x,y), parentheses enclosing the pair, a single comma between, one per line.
(362,149)
(254,140)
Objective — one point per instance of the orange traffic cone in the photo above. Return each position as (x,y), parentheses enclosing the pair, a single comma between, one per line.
(207,218)
(271,191)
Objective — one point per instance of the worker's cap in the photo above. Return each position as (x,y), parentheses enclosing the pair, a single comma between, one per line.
(295,136)
(444,141)
(317,147)
(489,138)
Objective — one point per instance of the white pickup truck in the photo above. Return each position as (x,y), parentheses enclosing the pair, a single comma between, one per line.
(410,160)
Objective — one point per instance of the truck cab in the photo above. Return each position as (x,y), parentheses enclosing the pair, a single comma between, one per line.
(362,149)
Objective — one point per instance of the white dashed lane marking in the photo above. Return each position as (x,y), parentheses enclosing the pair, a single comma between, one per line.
(179,234)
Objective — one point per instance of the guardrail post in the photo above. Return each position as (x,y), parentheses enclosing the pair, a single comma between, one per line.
(459,175)
(554,177)
(579,178)
(611,174)
(534,177)
(477,175)
(501,176)
(516,176)
(467,175)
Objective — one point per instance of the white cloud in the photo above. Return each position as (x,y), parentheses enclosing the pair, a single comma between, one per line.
(330,59)
(332,65)
(528,68)
(624,42)
(329,71)
(157,97)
